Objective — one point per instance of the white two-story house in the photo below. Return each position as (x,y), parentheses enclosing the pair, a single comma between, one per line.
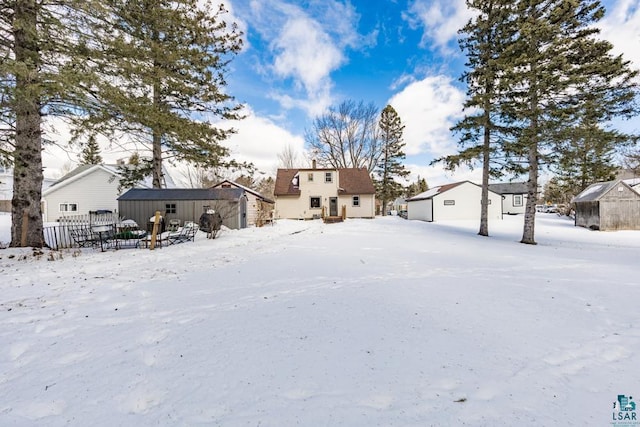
(316,193)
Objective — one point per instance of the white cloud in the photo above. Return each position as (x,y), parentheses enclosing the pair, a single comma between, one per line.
(304,46)
(440,19)
(428,108)
(621,27)
(306,53)
(260,140)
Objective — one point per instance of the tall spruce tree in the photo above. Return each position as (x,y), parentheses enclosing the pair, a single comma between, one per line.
(39,76)
(90,154)
(389,166)
(555,62)
(162,65)
(481,131)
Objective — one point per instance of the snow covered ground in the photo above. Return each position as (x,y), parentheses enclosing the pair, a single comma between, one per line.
(382,322)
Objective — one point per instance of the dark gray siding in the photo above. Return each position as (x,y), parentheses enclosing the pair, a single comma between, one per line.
(185,210)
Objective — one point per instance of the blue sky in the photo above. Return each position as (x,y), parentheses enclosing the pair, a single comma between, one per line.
(303,56)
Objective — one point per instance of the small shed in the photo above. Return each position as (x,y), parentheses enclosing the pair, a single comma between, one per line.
(460,200)
(184,204)
(608,206)
(259,208)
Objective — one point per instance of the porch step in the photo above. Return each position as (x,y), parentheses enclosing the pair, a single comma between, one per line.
(332,219)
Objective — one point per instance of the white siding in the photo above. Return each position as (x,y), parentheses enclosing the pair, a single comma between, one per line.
(97,190)
(420,210)
(508,205)
(466,198)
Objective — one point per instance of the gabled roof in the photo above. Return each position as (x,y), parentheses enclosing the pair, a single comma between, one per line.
(509,188)
(182,194)
(247,189)
(77,174)
(84,170)
(435,191)
(350,181)
(355,181)
(430,193)
(595,191)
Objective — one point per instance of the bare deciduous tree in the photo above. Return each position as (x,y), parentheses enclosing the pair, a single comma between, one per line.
(288,158)
(346,136)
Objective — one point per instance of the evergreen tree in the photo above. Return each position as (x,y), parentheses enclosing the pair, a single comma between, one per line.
(481,133)
(420,186)
(90,154)
(389,167)
(162,65)
(555,64)
(39,76)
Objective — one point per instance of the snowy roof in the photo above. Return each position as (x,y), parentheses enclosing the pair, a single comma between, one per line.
(432,192)
(595,191)
(435,191)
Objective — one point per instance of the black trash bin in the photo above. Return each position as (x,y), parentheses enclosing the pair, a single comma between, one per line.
(210,222)
(161,227)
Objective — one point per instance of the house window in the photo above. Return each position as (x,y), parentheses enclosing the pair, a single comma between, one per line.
(68,207)
(225,186)
(328,177)
(356,201)
(170,208)
(449,202)
(517,200)
(315,203)
(310,177)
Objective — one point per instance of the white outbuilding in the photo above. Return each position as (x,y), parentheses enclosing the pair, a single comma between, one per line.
(460,200)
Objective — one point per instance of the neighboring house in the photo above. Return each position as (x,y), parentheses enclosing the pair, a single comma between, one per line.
(460,200)
(308,193)
(608,206)
(85,189)
(514,196)
(259,208)
(400,204)
(184,204)
(6,187)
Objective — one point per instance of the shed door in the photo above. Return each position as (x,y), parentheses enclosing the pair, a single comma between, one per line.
(333,206)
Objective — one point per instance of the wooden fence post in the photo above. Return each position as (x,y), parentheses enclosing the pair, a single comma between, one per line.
(154,232)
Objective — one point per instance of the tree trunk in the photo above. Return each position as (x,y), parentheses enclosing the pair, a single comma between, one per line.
(27,173)
(528,232)
(157,134)
(484,199)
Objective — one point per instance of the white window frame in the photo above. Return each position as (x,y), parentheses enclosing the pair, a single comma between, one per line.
(68,207)
(328,177)
(310,177)
(355,201)
(518,197)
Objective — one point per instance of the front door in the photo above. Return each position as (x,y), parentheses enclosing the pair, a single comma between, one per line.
(333,206)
